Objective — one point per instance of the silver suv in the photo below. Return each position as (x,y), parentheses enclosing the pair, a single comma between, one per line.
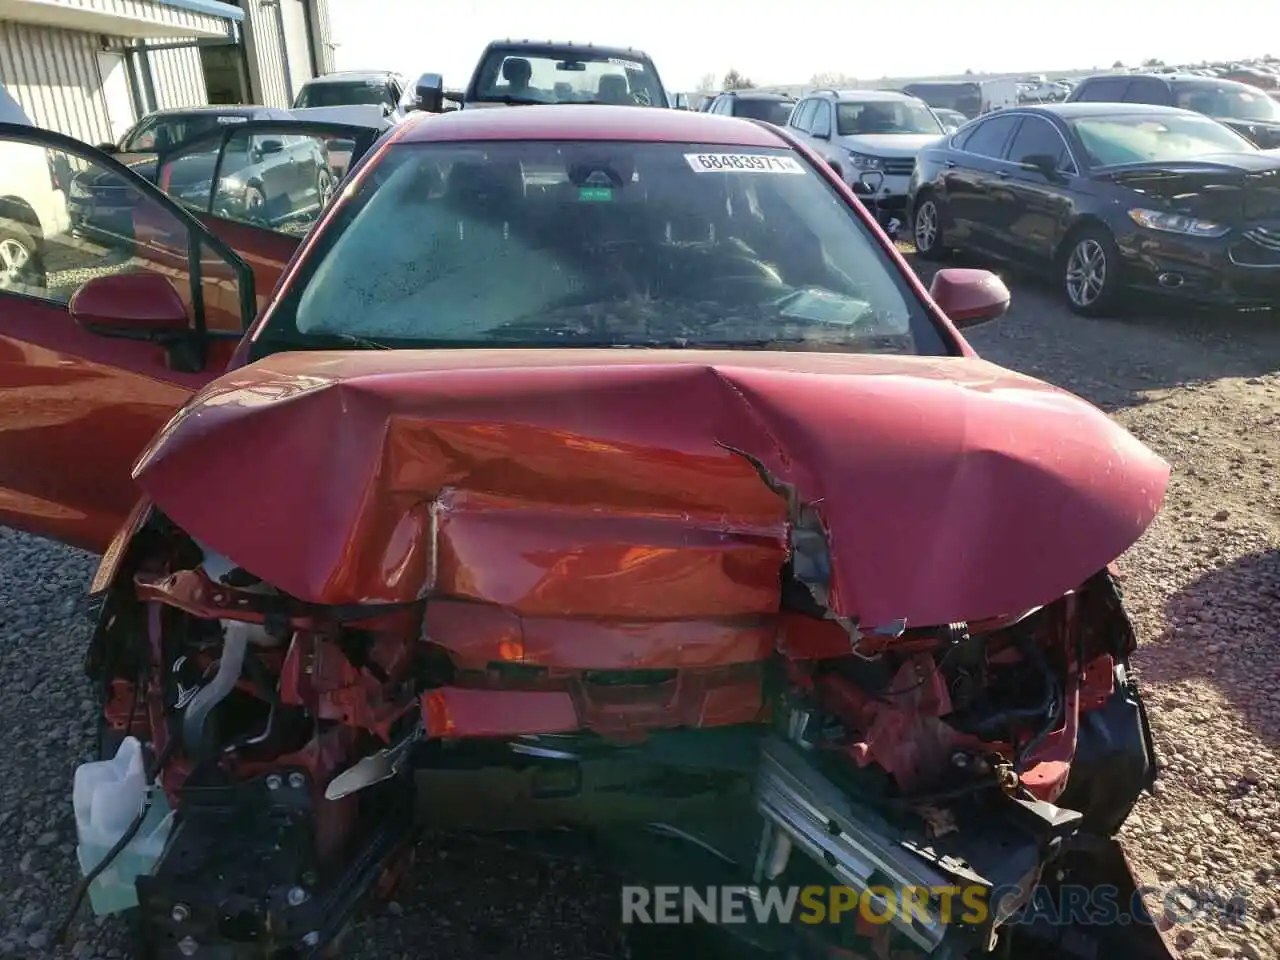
(872,136)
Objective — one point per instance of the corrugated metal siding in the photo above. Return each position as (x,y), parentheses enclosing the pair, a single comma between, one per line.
(143,10)
(324,33)
(297,44)
(267,51)
(179,78)
(53,74)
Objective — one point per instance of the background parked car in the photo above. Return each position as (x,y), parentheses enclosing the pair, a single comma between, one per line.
(773,108)
(873,132)
(951,119)
(32,204)
(526,72)
(1103,197)
(266,179)
(98,201)
(366,97)
(1246,109)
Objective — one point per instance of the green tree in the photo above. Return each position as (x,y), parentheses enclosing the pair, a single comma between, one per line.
(733,80)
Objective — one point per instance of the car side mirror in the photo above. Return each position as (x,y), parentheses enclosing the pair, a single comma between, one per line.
(268,147)
(140,306)
(429,93)
(969,297)
(1041,163)
(821,136)
(107,147)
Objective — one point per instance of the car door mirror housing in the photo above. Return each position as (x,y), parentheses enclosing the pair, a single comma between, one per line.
(429,93)
(141,305)
(970,297)
(107,147)
(268,147)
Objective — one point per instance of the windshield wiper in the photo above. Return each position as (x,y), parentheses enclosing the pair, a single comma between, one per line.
(511,98)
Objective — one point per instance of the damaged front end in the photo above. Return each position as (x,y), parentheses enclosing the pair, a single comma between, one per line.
(685,647)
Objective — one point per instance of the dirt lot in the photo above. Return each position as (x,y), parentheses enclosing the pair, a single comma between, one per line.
(1203,584)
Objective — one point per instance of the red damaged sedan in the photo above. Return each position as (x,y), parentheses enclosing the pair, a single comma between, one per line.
(584,467)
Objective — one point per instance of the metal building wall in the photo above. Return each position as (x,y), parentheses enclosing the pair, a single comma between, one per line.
(323,35)
(53,74)
(266,54)
(179,78)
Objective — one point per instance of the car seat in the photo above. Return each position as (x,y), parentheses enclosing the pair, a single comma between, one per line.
(613,88)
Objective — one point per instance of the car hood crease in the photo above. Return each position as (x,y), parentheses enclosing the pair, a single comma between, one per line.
(949,489)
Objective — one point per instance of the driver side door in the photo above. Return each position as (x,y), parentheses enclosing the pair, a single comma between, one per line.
(76,406)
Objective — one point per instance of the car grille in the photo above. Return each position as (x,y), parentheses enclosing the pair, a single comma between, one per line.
(899,168)
(1258,247)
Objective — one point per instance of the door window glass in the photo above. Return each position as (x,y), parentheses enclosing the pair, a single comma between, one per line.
(989,137)
(66,218)
(822,120)
(803,114)
(1038,138)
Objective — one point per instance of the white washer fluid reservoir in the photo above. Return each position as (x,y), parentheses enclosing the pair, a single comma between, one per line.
(107,797)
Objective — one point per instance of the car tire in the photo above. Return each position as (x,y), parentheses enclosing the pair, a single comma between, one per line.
(926,229)
(1089,271)
(21,263)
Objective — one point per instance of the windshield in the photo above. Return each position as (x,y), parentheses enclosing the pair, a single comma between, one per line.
(525,78)
(1140,138)
(355,93)
(854,117)
(776,112)
(1226,100)
(577,244)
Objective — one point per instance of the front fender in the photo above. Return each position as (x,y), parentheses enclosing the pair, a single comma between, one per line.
(113,557)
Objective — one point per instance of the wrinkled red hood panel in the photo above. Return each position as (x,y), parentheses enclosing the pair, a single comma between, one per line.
(614,483)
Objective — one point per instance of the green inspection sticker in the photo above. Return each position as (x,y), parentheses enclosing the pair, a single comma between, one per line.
(595,194)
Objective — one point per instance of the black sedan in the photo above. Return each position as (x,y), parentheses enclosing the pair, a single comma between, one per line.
(1108,198)
(98,203)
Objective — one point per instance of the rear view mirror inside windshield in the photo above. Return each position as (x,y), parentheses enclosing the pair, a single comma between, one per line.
(576,66)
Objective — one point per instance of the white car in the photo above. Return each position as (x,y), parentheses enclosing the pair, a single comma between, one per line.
(869,135)
(33,205)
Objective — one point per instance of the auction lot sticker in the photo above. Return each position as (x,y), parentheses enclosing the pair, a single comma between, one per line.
(742,163)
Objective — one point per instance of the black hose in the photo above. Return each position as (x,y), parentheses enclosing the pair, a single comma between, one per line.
(82,888)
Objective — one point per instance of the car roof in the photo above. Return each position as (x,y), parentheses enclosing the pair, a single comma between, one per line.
(1073,111)
(1181,77)
(886,95)
(232,110)
(346,76)
(757,95)
(554,47)
(580,121)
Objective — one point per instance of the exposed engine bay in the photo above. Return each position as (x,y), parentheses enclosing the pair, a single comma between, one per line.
(653,600)
(300,746)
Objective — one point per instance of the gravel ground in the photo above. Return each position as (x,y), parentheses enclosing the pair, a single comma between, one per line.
(1203,391)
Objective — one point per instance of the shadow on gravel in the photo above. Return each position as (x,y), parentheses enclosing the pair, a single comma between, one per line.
(1115,362)
(1222,628)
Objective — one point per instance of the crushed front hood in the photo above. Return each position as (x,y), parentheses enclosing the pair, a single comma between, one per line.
(1230,188)
(951,489)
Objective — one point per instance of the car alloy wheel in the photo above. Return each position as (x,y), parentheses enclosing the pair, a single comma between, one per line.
(1087,270)
(15,262)
(926,226)
(325,188)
